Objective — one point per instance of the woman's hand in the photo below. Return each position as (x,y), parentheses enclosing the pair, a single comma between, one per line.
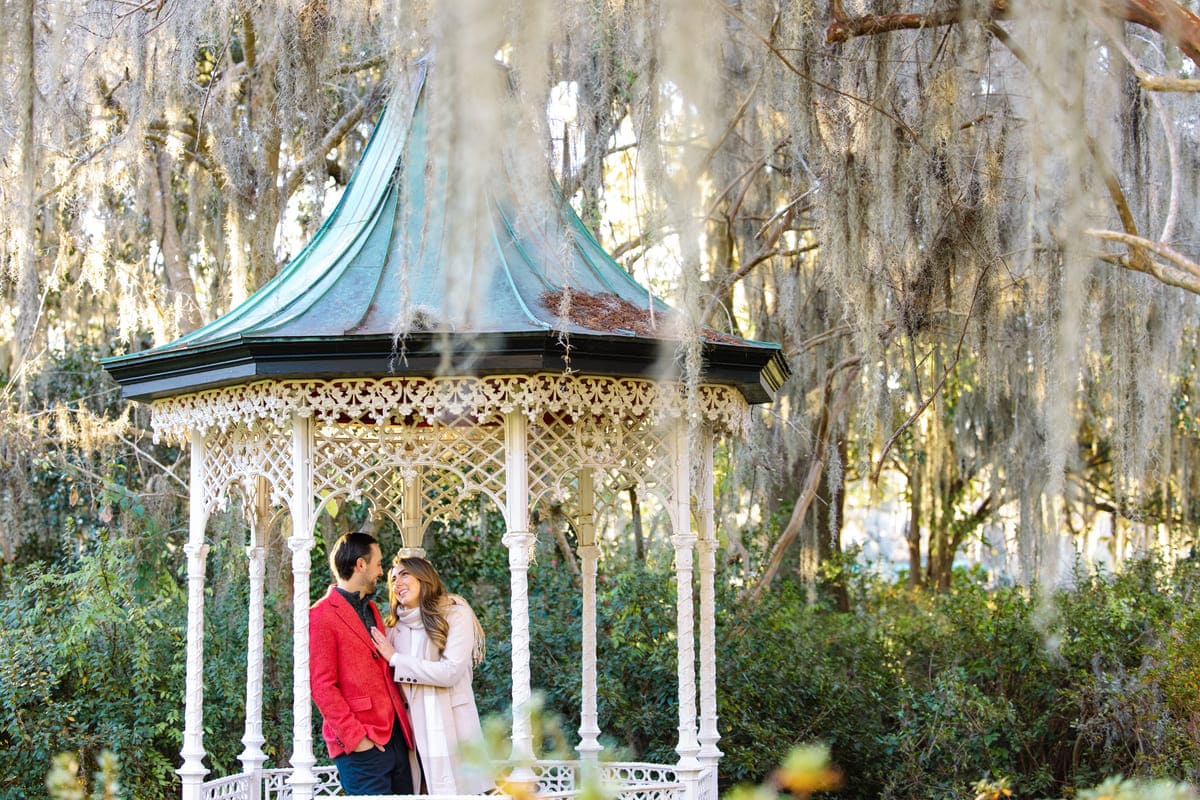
(382,644)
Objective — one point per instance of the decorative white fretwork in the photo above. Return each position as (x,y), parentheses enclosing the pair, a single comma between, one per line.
(441,440)
(276,787)
(622,452)
(235,787)
(450,460)
(428,400)
(240,454)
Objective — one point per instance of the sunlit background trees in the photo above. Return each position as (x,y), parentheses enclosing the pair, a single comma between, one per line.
(971,225)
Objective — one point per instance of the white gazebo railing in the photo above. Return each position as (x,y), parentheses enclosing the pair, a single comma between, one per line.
(556,780)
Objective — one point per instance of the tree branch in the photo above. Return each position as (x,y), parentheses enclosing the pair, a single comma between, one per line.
(1185,274)
(941,382)
(832,406)
(799,73)
(845,27)
(351,67)
(1168,228)
(1138,258)
(1175,23)
(1171,20)
(1160,83)
(332,139)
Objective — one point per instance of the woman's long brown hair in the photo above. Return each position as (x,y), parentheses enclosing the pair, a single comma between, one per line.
(433,596)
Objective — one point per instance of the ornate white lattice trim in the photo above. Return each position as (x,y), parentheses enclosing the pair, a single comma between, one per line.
(427,400)
(622,452)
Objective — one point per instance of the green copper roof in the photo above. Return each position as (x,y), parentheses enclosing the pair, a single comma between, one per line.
(385,253)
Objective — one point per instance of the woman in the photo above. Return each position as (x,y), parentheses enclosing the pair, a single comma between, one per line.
(433,642)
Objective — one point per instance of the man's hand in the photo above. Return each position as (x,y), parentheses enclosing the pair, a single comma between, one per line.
(367,744)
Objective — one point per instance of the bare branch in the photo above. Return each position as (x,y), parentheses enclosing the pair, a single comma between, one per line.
(351,67)
(813,342)
(1168,229)
(1160,83)
(168,471)
(766,252)
(1175,23)
(332,139)
(198,157)
(628,246)
(570,184)
(1185,274)
(1170,19)
(941,382)
(783,59)
(76,164)
(833,403)
(844,27)
(1141,261)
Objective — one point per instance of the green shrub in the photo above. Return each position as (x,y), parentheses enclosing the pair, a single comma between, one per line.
(91,659)
(916,695)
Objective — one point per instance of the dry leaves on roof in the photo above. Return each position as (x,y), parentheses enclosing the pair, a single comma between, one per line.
(606,312)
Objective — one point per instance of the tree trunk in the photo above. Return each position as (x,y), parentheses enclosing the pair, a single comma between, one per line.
(831,504)
(180,286)
(27,265)
(639,538)
(913,535)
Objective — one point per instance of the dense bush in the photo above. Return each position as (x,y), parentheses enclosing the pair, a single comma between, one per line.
(91,658)
(918,695)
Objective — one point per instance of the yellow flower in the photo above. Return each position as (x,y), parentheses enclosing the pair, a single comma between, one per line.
(518,789)
(807,770)
(992,790)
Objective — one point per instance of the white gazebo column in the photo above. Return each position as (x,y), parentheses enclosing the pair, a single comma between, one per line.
(685,542)
(710,756)
(301,543)
(192,771)
(518,539)
(589,726)
(412,511)
(252,756)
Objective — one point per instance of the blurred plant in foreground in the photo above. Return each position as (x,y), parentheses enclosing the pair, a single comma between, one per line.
(1119,788)
(988,789)
(65,783)
(806,771)
(1115,788)
(493,756)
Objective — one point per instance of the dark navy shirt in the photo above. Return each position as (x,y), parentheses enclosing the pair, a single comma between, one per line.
(361,606)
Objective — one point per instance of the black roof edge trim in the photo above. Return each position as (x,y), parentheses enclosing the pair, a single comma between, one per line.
(757,370)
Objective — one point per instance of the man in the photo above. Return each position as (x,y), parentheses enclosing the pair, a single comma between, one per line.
(365,722)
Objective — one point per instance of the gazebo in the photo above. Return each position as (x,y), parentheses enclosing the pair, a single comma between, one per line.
(343,380)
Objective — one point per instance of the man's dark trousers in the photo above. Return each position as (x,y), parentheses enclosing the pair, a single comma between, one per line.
(377,771)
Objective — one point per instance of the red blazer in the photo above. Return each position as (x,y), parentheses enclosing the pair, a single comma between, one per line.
(351,683)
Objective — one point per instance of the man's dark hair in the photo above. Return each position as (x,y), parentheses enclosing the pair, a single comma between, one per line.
(346,552)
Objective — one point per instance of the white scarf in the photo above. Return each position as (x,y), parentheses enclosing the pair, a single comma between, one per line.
(420,646)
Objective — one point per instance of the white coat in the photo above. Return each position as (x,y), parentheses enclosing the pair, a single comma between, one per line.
(441,702)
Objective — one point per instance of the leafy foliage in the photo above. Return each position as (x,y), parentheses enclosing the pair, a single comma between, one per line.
(91,660)
(916,695)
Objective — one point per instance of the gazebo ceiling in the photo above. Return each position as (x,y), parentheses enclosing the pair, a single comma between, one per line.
(380,264)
